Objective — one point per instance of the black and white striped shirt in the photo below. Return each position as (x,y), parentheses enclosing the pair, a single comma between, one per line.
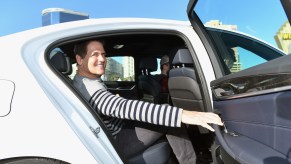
(114,108)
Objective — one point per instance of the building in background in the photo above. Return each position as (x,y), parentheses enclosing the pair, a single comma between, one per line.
(237,65)
(114,70)
(218,24)
(283,38)
(58,15)
(128,63)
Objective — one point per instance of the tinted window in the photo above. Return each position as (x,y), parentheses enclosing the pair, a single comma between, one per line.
(250,35)
(238,51)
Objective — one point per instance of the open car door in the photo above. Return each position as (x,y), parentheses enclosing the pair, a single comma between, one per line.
(252,91)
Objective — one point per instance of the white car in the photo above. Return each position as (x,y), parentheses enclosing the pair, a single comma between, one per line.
(246,80)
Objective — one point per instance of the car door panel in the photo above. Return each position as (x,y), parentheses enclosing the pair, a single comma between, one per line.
(280,67)
(255,108)
(258,122)
(250,151)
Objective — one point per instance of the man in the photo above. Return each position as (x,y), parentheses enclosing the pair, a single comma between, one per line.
(165,67)
(137,135)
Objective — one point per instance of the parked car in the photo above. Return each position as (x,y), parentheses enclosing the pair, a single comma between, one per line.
(243,78)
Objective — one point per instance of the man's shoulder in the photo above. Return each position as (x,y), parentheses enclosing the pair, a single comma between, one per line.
(85,80)
(88,86)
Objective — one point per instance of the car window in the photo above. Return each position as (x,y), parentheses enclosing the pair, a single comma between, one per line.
(74,71)
(119,69)
(246,59)
(158,71)
(239,51)
(251,37)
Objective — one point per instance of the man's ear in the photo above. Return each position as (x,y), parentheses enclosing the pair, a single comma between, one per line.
(79,59)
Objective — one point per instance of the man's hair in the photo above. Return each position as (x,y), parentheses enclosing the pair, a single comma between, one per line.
(80,48)
(164,60)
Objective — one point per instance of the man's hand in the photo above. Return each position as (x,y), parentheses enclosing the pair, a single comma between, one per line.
(201,118)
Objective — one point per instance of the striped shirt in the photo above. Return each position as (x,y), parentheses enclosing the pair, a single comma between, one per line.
(113,108)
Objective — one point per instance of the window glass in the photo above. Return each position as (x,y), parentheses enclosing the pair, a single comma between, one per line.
(244,60)
(258,32)
(74,71)
(158,71)
(247,59)
(119,69)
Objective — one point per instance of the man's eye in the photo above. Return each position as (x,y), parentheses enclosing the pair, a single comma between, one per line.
(98,53)
(95,54)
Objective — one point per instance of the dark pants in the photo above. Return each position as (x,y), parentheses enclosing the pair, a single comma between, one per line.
(137,136)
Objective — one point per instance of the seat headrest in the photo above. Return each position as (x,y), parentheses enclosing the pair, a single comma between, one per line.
(182,56)
(61,62)
(149,63)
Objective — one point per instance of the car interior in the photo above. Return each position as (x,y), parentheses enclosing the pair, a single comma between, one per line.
(146,49)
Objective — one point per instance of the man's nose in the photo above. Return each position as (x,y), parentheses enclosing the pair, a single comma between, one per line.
(101,58)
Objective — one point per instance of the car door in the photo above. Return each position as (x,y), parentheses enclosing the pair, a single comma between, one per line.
(252,92)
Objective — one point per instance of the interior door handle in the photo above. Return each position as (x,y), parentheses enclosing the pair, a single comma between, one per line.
(218,112)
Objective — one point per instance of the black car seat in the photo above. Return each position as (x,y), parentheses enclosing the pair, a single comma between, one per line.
(183,85)
(158,153)
(148,86)
(61,62)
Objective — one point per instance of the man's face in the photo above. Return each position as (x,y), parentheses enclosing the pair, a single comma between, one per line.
(94,63)
(167,66)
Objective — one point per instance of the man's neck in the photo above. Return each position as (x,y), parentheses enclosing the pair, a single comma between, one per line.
(88,75)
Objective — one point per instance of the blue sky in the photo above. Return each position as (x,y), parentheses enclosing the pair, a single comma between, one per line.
(259,18)
(262,19)
(20,15)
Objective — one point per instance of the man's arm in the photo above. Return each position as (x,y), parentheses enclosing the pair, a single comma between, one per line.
(111,105)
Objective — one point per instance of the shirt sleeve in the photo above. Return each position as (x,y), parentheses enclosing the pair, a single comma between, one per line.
(111,105)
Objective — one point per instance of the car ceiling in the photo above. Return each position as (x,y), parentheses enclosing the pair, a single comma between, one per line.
(136,45)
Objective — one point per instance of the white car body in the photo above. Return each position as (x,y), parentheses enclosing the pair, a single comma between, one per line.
(46,118)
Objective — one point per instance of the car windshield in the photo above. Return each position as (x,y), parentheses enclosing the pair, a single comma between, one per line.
(248,19)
